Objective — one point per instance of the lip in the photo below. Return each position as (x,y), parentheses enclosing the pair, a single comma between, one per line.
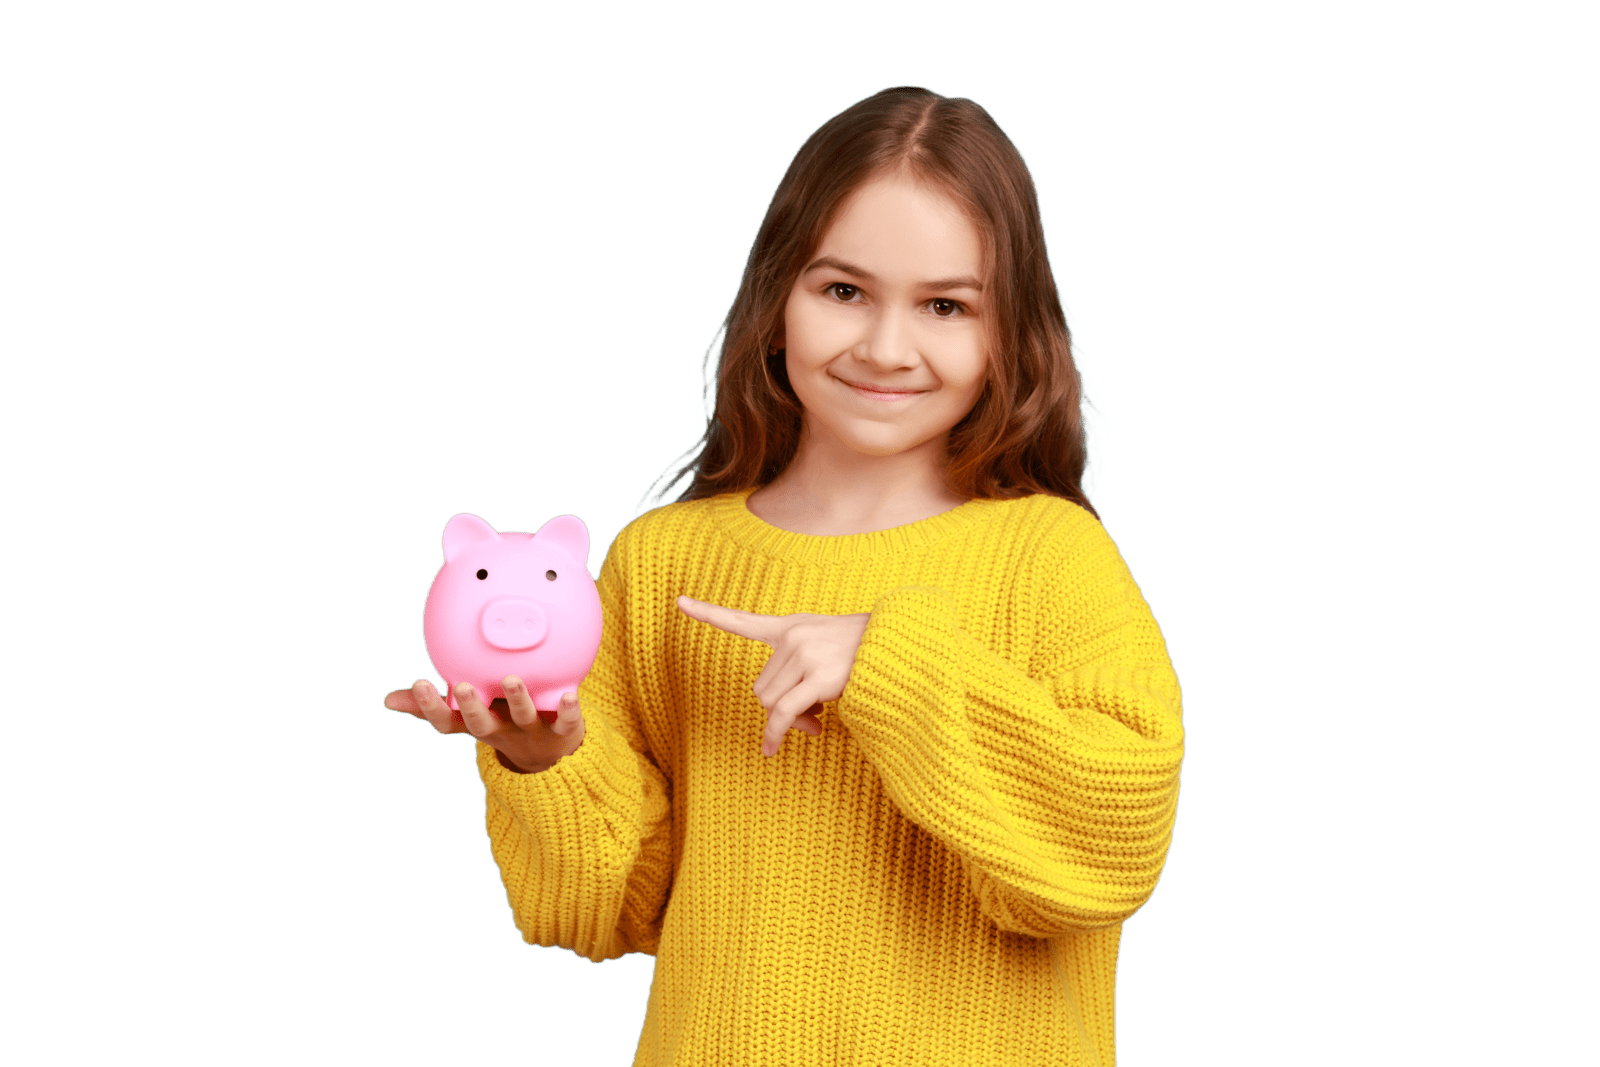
(872,392)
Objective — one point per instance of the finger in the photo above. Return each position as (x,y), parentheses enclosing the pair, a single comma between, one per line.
(784,717)
(781,674)
(519,702)
(764,628)
(807,721)
(569,716)
(402,700)
(479,720)
(434,708)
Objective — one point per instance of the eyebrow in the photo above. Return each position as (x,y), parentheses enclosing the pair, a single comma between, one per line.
(963,282)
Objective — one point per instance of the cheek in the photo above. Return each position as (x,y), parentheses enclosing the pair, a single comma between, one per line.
(796,332)
(816,333)
(965,368)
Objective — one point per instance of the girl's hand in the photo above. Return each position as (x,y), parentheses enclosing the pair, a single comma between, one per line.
(526,743)
(811,660)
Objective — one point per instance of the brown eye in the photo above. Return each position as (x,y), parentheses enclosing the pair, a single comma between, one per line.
(550,576)
(842,291)
(944,308)
(482,574)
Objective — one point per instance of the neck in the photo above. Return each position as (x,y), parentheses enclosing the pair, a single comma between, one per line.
(831,490)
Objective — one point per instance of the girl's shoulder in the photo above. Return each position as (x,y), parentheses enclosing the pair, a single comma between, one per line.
(1047,543)
(1034,524)
(669,529)
(679,518)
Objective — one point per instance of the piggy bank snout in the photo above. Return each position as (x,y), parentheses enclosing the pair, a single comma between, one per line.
(514,623)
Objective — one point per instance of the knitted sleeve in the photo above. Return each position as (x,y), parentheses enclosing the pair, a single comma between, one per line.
(584,848)
(1056,780)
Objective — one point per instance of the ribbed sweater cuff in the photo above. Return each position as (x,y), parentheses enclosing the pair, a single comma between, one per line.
(601,773)
(1062,815)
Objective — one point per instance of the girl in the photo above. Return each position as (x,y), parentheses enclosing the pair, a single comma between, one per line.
(885,548)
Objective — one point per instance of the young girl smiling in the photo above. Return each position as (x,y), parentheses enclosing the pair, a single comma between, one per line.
(885,548)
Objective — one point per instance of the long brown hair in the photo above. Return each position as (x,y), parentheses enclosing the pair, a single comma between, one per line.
(1025,433)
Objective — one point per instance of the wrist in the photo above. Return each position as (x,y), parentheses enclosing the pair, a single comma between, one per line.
(515,769)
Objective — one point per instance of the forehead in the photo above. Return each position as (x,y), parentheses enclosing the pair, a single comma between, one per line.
(896,224)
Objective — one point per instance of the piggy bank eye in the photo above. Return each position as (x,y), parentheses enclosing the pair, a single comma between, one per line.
(550,576)
(482,574)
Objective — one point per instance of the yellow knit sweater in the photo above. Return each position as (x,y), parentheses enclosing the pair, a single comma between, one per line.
(941,876)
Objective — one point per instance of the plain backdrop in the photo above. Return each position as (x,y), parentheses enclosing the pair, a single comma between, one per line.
(284,286)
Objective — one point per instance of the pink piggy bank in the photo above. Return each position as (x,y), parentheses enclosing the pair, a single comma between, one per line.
(514,603)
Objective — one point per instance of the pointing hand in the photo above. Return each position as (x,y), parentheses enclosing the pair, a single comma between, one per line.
(811,660)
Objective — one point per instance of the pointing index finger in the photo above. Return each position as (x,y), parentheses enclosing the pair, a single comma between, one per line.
(763,628)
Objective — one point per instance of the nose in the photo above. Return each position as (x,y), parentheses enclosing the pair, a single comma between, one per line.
(514,623)
(890,343)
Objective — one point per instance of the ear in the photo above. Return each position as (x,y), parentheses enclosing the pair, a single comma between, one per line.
(464,531)
(567,532)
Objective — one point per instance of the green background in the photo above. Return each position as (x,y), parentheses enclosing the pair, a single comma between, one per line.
(288,285)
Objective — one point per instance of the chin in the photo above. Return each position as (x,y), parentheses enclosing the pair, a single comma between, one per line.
(881,444)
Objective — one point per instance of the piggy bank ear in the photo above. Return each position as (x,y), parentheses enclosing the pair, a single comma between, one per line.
(464,531)
(567,532)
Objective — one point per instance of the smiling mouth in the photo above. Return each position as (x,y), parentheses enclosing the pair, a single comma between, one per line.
(873,393)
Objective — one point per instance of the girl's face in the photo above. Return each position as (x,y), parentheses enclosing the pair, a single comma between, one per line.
(884,331)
